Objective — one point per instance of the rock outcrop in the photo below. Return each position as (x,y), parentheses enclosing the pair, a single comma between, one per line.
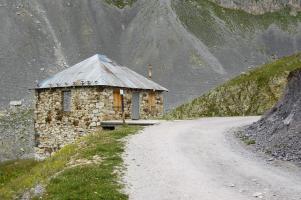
(279,132)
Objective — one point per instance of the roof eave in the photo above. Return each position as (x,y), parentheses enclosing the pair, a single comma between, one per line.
(40,88)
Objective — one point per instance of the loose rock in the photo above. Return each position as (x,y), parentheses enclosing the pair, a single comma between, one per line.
(278,133)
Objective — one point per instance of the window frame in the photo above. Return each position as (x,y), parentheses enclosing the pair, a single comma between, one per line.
(68,108)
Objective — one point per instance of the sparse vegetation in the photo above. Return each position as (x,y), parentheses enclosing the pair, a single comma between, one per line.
(278,131)
(197,14)
(12,169)
(87,169)
(247,140)
(252,93)
(121,3)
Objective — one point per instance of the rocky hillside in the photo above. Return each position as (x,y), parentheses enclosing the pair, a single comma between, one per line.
(251,93)
(260,6)
(193,44)
(279,132)
(120,3)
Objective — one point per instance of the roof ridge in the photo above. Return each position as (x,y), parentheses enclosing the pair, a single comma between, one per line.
(102,71)
(104,58)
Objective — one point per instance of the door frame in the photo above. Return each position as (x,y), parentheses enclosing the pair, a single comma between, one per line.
(135,105)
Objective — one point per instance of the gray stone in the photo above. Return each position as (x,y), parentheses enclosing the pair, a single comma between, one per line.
(258,195)
(93,124)
(15,103)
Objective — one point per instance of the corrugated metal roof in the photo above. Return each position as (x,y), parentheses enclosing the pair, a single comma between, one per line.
(99,70)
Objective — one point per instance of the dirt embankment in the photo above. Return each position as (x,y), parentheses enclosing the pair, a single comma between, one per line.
(279,132)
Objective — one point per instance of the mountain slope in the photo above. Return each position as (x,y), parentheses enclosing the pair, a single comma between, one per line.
(191,44)
(260,7)
(279,132)
(251,93)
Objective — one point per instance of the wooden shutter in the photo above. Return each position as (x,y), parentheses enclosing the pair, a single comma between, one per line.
(152,100)
(117,100)
(67,101)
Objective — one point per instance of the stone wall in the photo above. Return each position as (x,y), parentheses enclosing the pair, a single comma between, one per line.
(147,111)
(89,106)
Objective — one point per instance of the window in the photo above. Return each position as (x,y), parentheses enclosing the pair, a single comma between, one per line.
(116,100)
(152,100)
(67,101)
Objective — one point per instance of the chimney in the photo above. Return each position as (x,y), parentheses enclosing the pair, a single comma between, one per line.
(150,71)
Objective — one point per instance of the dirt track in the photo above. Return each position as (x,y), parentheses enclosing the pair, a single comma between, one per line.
(201,160)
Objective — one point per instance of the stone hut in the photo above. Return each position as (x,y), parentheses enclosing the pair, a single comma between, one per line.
(76,101)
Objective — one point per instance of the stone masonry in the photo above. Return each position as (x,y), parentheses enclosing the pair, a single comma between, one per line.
(55,128)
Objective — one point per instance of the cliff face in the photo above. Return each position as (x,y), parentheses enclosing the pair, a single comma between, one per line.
(279,132)
(262,6)
(191,44)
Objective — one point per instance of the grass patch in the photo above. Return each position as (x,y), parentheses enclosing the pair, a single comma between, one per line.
(252,93)
(247,140)
(84,178)
(120,3)
(12,169)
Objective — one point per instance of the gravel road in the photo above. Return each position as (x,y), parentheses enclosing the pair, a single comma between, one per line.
(201,160)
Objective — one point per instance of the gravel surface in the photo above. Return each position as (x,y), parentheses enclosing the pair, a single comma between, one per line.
(202,160)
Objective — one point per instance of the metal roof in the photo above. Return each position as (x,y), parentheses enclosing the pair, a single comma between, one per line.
(99,70)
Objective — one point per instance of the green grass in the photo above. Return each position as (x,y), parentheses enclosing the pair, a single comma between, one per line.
(264,73)
(120,3)
(13,169)
(252,93)
(247,140)
(91,181)
(250,141)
